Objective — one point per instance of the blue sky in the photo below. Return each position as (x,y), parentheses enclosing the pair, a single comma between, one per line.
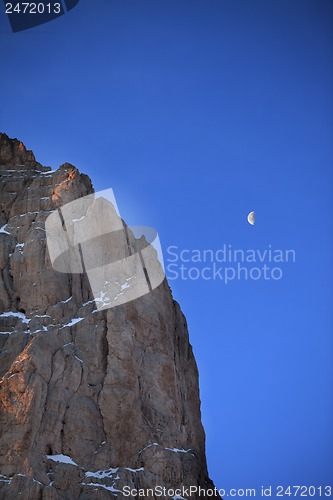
(195,113)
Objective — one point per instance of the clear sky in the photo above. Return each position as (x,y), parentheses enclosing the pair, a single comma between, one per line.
(195,113)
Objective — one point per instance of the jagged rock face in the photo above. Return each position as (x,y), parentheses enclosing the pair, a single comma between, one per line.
(91,401)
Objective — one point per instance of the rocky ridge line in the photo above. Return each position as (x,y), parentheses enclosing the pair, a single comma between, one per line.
(91,401)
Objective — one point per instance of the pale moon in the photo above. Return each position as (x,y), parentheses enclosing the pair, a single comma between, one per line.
(251,218)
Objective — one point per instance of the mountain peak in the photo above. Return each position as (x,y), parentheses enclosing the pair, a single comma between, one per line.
(91,400)
(14,154)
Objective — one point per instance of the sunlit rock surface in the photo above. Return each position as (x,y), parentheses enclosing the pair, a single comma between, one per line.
(91,401)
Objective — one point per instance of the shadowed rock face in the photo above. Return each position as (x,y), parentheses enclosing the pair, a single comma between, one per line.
(91,401)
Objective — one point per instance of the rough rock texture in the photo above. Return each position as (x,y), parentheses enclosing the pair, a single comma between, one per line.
(91,401)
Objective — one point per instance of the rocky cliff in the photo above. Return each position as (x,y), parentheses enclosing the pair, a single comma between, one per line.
(91,401)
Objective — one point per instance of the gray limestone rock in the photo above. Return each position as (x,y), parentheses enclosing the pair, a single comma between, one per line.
(96,404)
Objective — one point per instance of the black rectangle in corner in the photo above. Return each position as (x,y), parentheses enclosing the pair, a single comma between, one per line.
(70,4)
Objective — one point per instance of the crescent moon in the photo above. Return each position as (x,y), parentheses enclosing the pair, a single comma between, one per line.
(251,218)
